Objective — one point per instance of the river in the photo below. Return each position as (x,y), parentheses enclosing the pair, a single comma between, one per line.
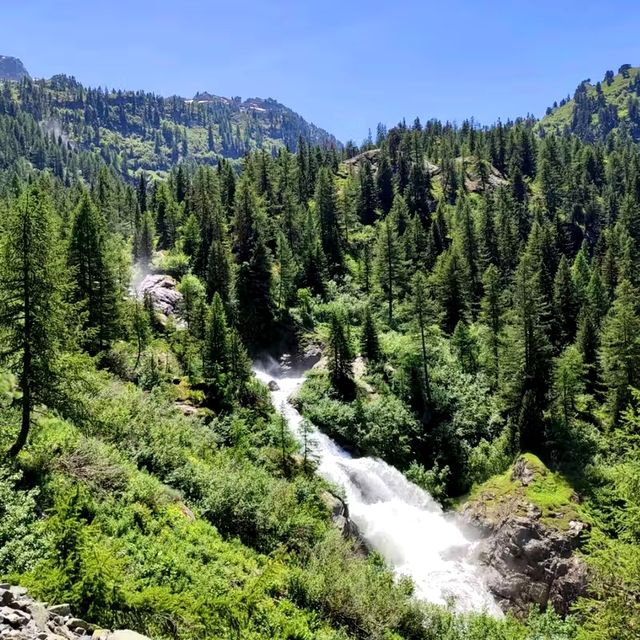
(395,517)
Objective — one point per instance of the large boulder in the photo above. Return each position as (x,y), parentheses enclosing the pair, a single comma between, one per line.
(162,289)
(528,548)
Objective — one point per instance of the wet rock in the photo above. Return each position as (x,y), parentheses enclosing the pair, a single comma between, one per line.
(340,516)
(273,385)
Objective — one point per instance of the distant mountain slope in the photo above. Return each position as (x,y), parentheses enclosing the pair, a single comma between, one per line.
(598,109)
(135,129)
(12,69)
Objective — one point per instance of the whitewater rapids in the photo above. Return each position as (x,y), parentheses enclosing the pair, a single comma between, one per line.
(395,517)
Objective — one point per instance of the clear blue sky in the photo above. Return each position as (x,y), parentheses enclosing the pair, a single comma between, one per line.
(345,65)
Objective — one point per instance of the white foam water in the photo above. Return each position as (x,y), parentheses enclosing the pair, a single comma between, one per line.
(396,518)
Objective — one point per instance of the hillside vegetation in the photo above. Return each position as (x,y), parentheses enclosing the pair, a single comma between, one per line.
(611,104)
(136,130)
(469,313)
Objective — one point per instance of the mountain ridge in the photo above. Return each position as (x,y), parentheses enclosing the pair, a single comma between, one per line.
(600,108)
(142,130)
(12,68)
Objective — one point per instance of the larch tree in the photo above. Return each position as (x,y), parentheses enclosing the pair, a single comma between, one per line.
(33,312)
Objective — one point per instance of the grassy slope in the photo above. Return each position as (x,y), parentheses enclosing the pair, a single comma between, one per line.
(616,93)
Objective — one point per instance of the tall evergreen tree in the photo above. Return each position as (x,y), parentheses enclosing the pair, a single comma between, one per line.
(93,268)
(253,282)
(327,208)
(340,355)
(564,304)
(620,352)
(367,198)
(216,347)
(384,183)
(388,264)
(369,340)
(528,354)
(33,314)
(491,314)
(422,312)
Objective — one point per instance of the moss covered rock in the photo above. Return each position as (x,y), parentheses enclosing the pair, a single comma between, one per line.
(532,524)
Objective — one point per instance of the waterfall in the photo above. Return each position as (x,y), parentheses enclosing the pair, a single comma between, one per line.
(395,517)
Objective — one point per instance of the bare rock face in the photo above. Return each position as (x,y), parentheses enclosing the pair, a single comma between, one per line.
(529,559)
(162,289)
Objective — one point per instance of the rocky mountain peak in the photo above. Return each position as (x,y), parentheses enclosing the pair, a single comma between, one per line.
(12,69)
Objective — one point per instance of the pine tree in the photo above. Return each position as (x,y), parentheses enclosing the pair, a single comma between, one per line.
(418,193)
(93,268)
(388,264)
(465,234)
(287,272)
(422,308)
(216,347)
(491,314)
(367,200)
(219,271)
(253,283)
(327,210)
(193,301)
(528,354)
(146,238)
(239,361)
(568,386)
(369,340)
(564,304)
(581,275)
(620,351)
(141,330)
(384,183)
(465,346)
(340,355)
(33,314)
(452,290)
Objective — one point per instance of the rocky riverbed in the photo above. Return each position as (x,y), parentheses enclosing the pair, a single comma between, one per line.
(23,618)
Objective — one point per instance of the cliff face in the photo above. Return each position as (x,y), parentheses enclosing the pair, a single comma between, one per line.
(12,69)
(531,526)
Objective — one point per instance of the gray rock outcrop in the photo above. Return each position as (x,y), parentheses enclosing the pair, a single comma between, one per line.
(340,516)
(529,559)
(23,618)
(162,289)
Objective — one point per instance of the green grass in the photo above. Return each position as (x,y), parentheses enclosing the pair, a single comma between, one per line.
(549,491)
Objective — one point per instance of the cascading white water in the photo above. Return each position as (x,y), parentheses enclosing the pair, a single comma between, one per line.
(396,518)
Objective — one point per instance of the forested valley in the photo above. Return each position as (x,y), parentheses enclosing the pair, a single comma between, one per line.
(473,291)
